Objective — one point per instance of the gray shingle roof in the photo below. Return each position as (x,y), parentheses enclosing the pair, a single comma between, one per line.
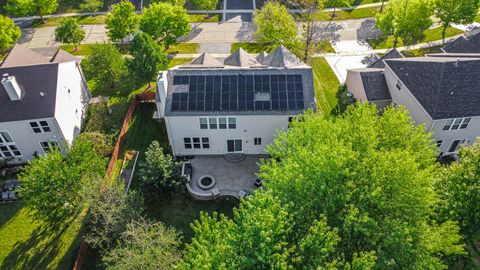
(391,54)
(464,44)
(21,56)
(262,57)
(240,58)
(375,84)
(32,79)
(62,56)
(445,87)
(205,60)
(282,57)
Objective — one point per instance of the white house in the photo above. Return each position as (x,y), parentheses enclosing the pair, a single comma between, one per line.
(235,106)
(42,103)
(441,91)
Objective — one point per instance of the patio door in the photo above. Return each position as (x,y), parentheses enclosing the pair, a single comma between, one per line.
(234,146)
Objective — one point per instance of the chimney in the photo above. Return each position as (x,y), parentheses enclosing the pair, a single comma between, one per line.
(11,86)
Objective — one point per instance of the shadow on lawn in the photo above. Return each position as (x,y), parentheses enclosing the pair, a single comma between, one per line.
(8,211)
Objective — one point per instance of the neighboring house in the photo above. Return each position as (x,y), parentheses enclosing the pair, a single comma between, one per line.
(369,83)
(235,106)
(464,44)
(42,103)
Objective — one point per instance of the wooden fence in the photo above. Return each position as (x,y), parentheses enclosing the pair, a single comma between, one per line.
(143,97)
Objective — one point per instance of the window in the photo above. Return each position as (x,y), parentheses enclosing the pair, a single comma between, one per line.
(222,123)
(196,143)
(232,123)
(213,122)
(257,141)
(203,123)
(458,123)
(48,146)
(455,145)
(234,146)
(439,143)
(40,127)
(205,143)
(8,148)
(188,143)
(398,85)
(465,123)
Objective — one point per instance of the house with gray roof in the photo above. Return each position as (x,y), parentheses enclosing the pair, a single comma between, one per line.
(43,101)
(464,44)
(236,105)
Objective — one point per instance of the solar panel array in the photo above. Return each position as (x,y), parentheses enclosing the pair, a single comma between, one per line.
(237,93)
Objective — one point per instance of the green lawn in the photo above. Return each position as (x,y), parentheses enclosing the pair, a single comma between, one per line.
(28,243)
(358,13)
(326,84)
(422,52)
(255,47)
(178,61)
(183,48)
(428,36)
(86,49)
(83,49)
(202,18)
(100,19)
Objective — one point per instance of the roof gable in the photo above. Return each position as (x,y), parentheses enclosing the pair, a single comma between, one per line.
(21,56)
(62,56)
(205,60)
(391,54)
(240,58)
(282,57)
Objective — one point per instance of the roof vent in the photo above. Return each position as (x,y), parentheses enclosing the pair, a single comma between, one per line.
(457,62)
(11,86)
(42,94)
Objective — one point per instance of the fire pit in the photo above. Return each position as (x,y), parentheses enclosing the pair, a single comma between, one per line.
(206,182)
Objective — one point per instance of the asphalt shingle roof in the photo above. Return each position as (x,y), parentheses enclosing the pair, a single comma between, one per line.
(391,54)
(445,87)
(375,84)
(464,44)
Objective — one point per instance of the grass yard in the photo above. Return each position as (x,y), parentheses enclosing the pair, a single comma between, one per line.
(202,18)
(86,49)
(255,47)
(358,13)
(83,49)
(49,22)
(183,48)
(428,36)
(28,243)
(422,52)
(326,84)
(179,61)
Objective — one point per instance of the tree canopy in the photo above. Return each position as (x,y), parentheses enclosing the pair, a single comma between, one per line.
(45,7)
(405,19)
(19,8)
(9,33)
(275,25)
(69,32)
(148,58)
(206,4)
(165,22)
(91,5)
(342,192)
(455,11)
(105,65)
(53,185)
(121,21)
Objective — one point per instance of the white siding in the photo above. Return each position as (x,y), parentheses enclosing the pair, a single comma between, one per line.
(69,106)
(355,85)
(248,128)
(448,136)
(28,142)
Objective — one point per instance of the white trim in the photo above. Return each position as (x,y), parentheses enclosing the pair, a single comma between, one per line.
(8,144)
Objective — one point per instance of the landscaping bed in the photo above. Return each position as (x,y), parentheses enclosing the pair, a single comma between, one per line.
(429,35)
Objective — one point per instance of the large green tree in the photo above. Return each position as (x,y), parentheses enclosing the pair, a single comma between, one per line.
(336,4)
(91,5)
(45,7)
(458,189)
(165,22)
(69,32)
(53,185)
(121,21)
(275,25)
(106,65)
(360,183)
(145,245)
(19,8)
(148,57)
(455,11)
(206,5)
(9,33)
(406,19)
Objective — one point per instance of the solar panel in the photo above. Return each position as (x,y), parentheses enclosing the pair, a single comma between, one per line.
(239,92)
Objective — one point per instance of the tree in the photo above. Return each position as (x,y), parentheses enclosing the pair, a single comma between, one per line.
(121,21)
(109,213)
(145,245)
(405,19)
(20,8)
(337,4)
(69,32)
(275,25)
(53,185)
(159,171)
(348,192)
(9,33)
(148,58)
(165,23)
(45,7)
(206,5)
(455,11)
(106,65)
(458,189)
(91,5)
